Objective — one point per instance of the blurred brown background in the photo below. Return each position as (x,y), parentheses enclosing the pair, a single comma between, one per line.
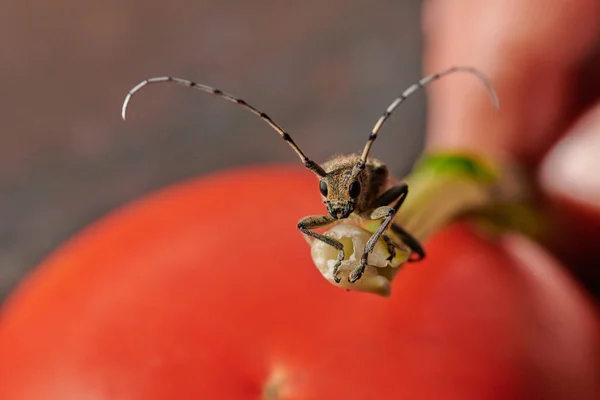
(323,70)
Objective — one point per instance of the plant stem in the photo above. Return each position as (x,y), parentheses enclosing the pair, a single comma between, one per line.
(447,186)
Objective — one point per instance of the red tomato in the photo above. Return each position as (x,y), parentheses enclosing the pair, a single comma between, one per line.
(206,290)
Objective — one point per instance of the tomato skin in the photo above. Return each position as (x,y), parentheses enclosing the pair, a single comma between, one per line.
(207,290)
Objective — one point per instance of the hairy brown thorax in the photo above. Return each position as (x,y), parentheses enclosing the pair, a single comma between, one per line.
(373,180)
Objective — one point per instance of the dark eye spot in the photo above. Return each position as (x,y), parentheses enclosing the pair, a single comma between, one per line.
(323,188)
(354,189)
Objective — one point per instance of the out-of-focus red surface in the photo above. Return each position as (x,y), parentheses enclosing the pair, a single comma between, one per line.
(206,290)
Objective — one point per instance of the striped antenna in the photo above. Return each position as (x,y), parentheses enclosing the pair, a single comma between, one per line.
(311,165)
(422,83)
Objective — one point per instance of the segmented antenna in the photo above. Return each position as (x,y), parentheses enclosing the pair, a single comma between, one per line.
(422,83)
(313,166)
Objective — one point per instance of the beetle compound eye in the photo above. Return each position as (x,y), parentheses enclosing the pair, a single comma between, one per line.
(323,188)
(354,189)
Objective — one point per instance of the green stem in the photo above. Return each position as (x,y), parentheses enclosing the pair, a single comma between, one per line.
(444,187)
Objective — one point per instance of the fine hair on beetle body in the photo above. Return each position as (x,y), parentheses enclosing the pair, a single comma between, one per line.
(354,185)
(343,193)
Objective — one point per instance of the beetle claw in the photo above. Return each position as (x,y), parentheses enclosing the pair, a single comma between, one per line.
(357,273)
(335,271)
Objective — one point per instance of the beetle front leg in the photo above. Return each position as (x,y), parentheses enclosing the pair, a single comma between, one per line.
(317,221)
(391,247)
(386,213)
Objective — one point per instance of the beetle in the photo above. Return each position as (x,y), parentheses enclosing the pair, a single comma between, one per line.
(351,186)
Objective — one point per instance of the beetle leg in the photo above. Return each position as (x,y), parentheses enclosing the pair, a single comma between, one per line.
(306,224)
(382,211)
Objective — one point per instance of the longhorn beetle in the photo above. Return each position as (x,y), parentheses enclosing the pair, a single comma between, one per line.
(351,185)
